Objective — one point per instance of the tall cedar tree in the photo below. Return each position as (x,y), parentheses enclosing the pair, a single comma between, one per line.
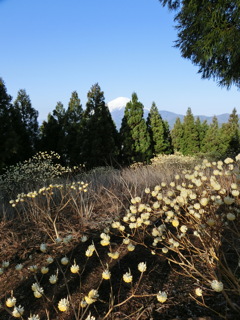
(177,135)
(159,132)
(230,135)
(53,132)
(190,141)
(135,139)
(202,128)
(168,138)
(208,35)
(100,137)
(73,124)
(8,136)
(26,126)
(211,143)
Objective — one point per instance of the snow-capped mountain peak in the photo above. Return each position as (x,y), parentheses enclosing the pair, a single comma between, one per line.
(118,103)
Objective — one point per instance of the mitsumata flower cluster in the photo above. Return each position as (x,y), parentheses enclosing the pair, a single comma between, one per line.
(185,220)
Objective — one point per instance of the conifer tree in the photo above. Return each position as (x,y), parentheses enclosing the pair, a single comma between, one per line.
(53,132)
(208,35)
(73,123)
(26,126)
(202,128)
(167,138)
(230,135)
(8,136)
(135,139)
(158,131)
(100,137)
(177,136)
(211,142)
(190,141)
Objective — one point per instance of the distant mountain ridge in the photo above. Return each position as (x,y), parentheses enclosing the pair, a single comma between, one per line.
(117,107)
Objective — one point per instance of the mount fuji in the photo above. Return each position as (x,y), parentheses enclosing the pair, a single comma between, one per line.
(117,107)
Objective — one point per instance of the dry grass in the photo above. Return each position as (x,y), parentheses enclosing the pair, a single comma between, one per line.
(109,204)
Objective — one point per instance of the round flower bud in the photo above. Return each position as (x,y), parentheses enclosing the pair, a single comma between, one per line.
(63,305)
(127,277)
(142,267)
(106,275)
(44,270)
(64,261)
(74,268)
(18,311)
(113,255)
(231,216)
(217,285)
(175,223)
(11,302)
(162,296)
(198,292)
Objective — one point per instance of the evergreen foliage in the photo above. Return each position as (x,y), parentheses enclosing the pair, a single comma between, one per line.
(73,123)
(53,132)
(202,128)
(168,138)
(100,137)
(211,141)
(190,139)
(159,132)
(135,139)
(90,137)
(177,135)
(208,35)
(8,136)
(230,135)
(26,126)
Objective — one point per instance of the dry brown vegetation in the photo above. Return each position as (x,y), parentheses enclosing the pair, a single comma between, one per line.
(178,216)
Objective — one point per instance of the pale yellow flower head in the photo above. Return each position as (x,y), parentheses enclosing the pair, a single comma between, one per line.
(64,261)
(75,268)
(38,293)
(204,201)
(142,266)
(92,296)
(131,247)
(228,160)
(34,317)
(231,216)
(217,285)
(44,270)
(18,311)
(90,250)
(113,255)
(11,302)
(19,267)
(53,279)
(228,200)
(175,223)
(63,305)
(43,247)
(127,277)
(211,222)
(198,292)
(106,275)
(162,296)
(49,260)
(165,250)
(235,193)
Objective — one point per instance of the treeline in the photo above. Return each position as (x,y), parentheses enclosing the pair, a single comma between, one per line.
(89,136)
(195,137)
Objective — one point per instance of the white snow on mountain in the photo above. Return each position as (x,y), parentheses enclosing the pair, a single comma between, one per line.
(118,103)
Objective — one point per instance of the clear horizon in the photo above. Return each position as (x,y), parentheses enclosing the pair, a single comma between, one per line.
(54,48)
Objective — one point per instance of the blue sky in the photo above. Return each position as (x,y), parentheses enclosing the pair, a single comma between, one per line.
(53,47)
